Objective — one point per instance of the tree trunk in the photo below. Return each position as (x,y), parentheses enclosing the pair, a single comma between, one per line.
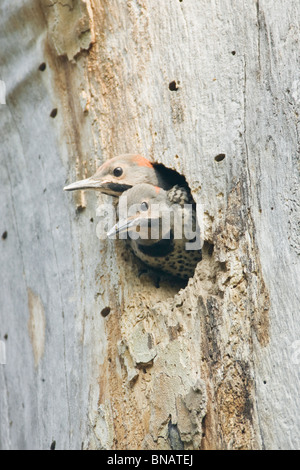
(98,355)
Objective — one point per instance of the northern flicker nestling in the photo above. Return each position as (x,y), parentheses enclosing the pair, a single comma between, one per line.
(161,227)
(124,171)
(119,175)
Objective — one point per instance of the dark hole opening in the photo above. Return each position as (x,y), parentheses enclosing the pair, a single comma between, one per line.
(79,209)
(220,157)
(170,175)
(42,67)
(4,235)
(53,113)
(105,311)
(173,86)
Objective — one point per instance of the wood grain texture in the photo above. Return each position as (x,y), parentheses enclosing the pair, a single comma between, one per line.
(211,89)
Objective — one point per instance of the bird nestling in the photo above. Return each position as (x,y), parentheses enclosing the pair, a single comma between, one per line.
(121,173)
(131,175)
(162,228)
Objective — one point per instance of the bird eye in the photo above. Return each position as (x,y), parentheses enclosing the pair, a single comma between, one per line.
(118,171)
(144,206)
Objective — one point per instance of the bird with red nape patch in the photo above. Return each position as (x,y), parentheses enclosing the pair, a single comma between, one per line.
(122,173)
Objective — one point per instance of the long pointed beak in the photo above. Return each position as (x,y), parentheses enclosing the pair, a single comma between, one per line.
(123,225)
(88,183)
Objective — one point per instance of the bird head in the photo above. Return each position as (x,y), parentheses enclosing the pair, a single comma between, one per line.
(141,210)
(118,175)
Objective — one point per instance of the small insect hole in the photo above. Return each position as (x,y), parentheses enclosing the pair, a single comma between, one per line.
(53,113)
(4,235)
(79,209)
(220,157)
(233,52)
(173,86)
(42,67)
(105,311)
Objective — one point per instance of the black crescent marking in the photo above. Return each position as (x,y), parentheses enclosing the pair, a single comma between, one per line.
(158,249)
(118,188)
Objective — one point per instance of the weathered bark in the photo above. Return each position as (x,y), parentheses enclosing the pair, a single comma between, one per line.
(212,90)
